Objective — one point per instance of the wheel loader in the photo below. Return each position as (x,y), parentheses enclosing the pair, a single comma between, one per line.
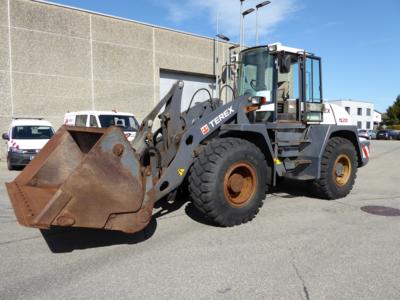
(226,153)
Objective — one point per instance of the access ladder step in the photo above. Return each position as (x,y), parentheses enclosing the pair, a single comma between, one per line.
(294,142)
(292,165)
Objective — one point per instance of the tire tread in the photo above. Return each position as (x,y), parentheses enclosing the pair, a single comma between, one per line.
(322,186)
(202,178)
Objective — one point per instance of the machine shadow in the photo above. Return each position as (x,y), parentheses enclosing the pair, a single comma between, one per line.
(61,240)
(290,188)
(191,211)
(196,215)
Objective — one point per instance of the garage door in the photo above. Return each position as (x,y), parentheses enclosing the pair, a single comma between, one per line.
(192,84)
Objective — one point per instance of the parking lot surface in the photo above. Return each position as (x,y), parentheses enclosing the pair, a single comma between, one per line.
(298,247)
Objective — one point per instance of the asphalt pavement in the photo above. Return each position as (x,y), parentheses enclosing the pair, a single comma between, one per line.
(298,247)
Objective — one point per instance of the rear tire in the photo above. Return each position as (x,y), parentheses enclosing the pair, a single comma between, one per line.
(227,181)
(338,169)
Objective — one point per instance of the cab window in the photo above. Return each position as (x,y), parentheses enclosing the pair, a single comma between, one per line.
(288,82)
(80,120)
(313,80)
(256,73)
(93,121)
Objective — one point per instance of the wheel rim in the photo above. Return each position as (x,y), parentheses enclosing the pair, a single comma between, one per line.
(240,182)
(342,170)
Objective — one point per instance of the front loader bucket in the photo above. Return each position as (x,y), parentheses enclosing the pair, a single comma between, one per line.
(84,177)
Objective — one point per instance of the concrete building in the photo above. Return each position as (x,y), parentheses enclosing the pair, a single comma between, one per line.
(361,112)
(377,118)
(55,59)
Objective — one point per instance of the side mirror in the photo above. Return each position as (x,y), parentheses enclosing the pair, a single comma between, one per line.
(5,136)
(285,62)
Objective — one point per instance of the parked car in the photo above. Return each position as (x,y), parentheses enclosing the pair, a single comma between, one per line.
(25,138)
(104,119)
(372,134)
(387,134)
(363,133)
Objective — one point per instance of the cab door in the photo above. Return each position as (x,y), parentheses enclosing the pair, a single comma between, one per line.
(288,94)
(311,89)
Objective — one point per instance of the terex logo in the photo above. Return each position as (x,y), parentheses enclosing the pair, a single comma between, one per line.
(214,122)
(205,129)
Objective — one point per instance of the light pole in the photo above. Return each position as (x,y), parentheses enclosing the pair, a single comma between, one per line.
(241,23)
(245,13)
(258,6)
(223,37)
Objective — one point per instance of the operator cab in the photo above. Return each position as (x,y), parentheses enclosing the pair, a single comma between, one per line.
(288,78)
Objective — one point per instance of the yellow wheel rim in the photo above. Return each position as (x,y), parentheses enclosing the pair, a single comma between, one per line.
(342,170)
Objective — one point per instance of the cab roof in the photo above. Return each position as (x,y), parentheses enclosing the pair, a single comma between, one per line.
(278,47)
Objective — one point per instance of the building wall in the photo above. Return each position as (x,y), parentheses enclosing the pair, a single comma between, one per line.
(355,117)
(55,59)
(377,118)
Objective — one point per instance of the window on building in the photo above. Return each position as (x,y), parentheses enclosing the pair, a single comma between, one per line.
(359,111)
(347,108)
(359,125)
(368,125)
(368,111)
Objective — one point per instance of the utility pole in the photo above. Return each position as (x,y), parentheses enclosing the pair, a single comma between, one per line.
(258,6)
(241,24)
(245,13)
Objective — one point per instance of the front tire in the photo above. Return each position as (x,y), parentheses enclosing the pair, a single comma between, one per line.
(227,181)
(338,169)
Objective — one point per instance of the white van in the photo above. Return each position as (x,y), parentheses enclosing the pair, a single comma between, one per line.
(104,119)
(25,138)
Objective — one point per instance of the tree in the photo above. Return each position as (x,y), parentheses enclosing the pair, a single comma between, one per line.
(393,112)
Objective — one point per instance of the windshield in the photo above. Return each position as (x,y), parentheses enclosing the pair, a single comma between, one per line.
(32,132)
(255,73)
(128,123)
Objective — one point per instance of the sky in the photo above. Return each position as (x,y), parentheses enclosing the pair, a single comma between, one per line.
(358,40)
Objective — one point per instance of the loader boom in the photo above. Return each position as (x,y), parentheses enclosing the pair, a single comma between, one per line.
(93,177)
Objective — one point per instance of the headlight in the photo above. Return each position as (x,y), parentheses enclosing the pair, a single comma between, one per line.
(15,150)
(257,100)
